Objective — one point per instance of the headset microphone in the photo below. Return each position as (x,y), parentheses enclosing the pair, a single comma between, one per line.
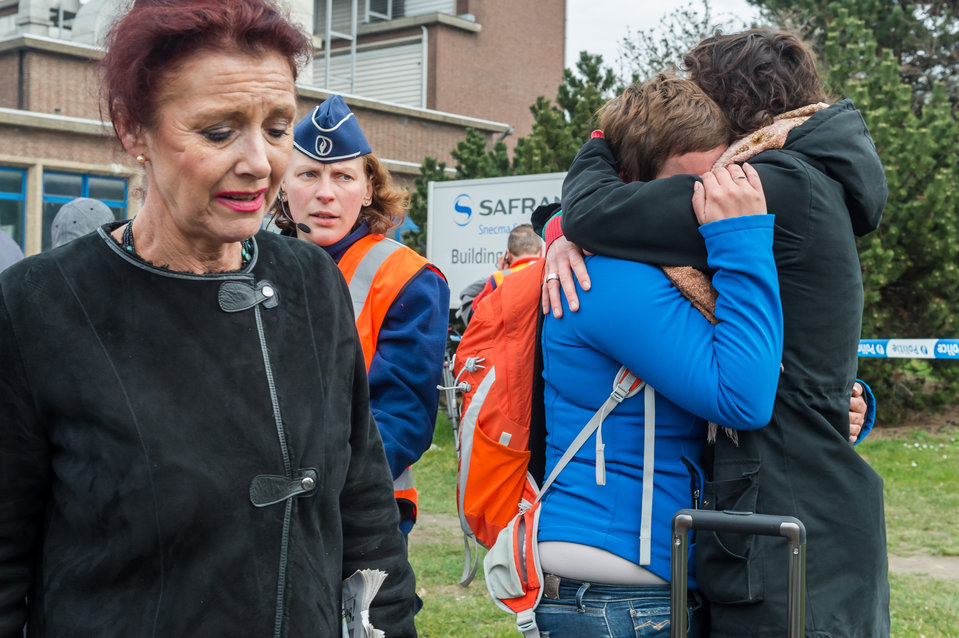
(303,227)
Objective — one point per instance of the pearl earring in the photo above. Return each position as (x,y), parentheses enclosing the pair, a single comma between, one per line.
(141,159)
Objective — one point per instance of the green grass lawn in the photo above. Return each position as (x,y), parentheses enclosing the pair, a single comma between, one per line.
(921,474)
(437,555)
(921,607)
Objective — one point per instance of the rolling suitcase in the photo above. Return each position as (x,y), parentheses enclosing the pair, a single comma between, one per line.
(742,523)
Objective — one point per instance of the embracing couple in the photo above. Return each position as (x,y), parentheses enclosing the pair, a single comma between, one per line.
(734,289)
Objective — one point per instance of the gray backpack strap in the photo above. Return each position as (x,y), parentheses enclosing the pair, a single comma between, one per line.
(467,432)
(649,447)
(471,561)
(625,385)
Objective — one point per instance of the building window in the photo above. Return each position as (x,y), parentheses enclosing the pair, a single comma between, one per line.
(13,186)
(393,73)
(372,11)
(60,188)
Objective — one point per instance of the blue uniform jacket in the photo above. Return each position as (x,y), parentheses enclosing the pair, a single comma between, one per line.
(727,373)
(408,362)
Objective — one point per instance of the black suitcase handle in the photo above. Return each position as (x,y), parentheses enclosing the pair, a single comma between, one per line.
(742,523)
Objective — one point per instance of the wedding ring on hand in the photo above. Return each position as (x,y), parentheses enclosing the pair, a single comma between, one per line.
(552,276)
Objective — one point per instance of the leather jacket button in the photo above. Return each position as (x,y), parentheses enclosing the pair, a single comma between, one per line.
(308,483)
(267,291)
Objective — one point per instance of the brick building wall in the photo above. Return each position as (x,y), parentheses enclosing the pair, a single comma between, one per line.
(54,147)
(9,62)
(57,77)
(500,71)
(493,65)
(61,84)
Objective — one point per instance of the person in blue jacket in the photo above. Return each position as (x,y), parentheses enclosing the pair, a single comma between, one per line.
(337,195)
(591,551)
(826,184)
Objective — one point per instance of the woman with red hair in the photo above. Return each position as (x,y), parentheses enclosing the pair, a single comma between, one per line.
(186,440)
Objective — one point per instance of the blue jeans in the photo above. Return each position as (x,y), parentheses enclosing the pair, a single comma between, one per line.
(617,611)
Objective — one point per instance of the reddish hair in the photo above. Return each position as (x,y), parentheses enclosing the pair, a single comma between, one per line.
(157,35)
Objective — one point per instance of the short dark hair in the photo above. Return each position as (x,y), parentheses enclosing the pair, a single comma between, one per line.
(157,35)
(523,241)
(650,122)
(755,75)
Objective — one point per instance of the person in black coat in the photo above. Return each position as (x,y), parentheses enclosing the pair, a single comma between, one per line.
(186,444)
(826,185)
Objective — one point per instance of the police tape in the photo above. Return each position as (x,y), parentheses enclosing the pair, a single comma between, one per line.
(910,348)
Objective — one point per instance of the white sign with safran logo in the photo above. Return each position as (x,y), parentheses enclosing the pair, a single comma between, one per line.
(469,221)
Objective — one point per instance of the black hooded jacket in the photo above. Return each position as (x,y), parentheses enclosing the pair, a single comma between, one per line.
(188,455)
(825,186)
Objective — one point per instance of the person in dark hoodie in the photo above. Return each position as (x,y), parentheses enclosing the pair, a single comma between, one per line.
(826,185)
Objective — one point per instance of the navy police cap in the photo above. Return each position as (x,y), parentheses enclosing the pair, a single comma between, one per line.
(330,133)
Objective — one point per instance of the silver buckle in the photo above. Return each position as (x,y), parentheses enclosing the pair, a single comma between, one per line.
(551,586)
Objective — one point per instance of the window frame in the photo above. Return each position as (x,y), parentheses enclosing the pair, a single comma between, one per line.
(22,197)
(84,192)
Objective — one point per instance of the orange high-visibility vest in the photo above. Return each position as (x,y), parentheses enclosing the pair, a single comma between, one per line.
(377,270)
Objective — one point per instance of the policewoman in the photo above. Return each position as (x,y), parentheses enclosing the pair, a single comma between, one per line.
(337,195)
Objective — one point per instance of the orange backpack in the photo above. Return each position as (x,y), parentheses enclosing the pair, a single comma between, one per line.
(495,369)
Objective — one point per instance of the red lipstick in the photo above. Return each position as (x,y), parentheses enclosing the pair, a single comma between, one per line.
(242,201)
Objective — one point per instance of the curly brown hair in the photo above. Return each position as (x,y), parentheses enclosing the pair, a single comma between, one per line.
(387,208)
(650,122)
(755,75)
(390,202)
